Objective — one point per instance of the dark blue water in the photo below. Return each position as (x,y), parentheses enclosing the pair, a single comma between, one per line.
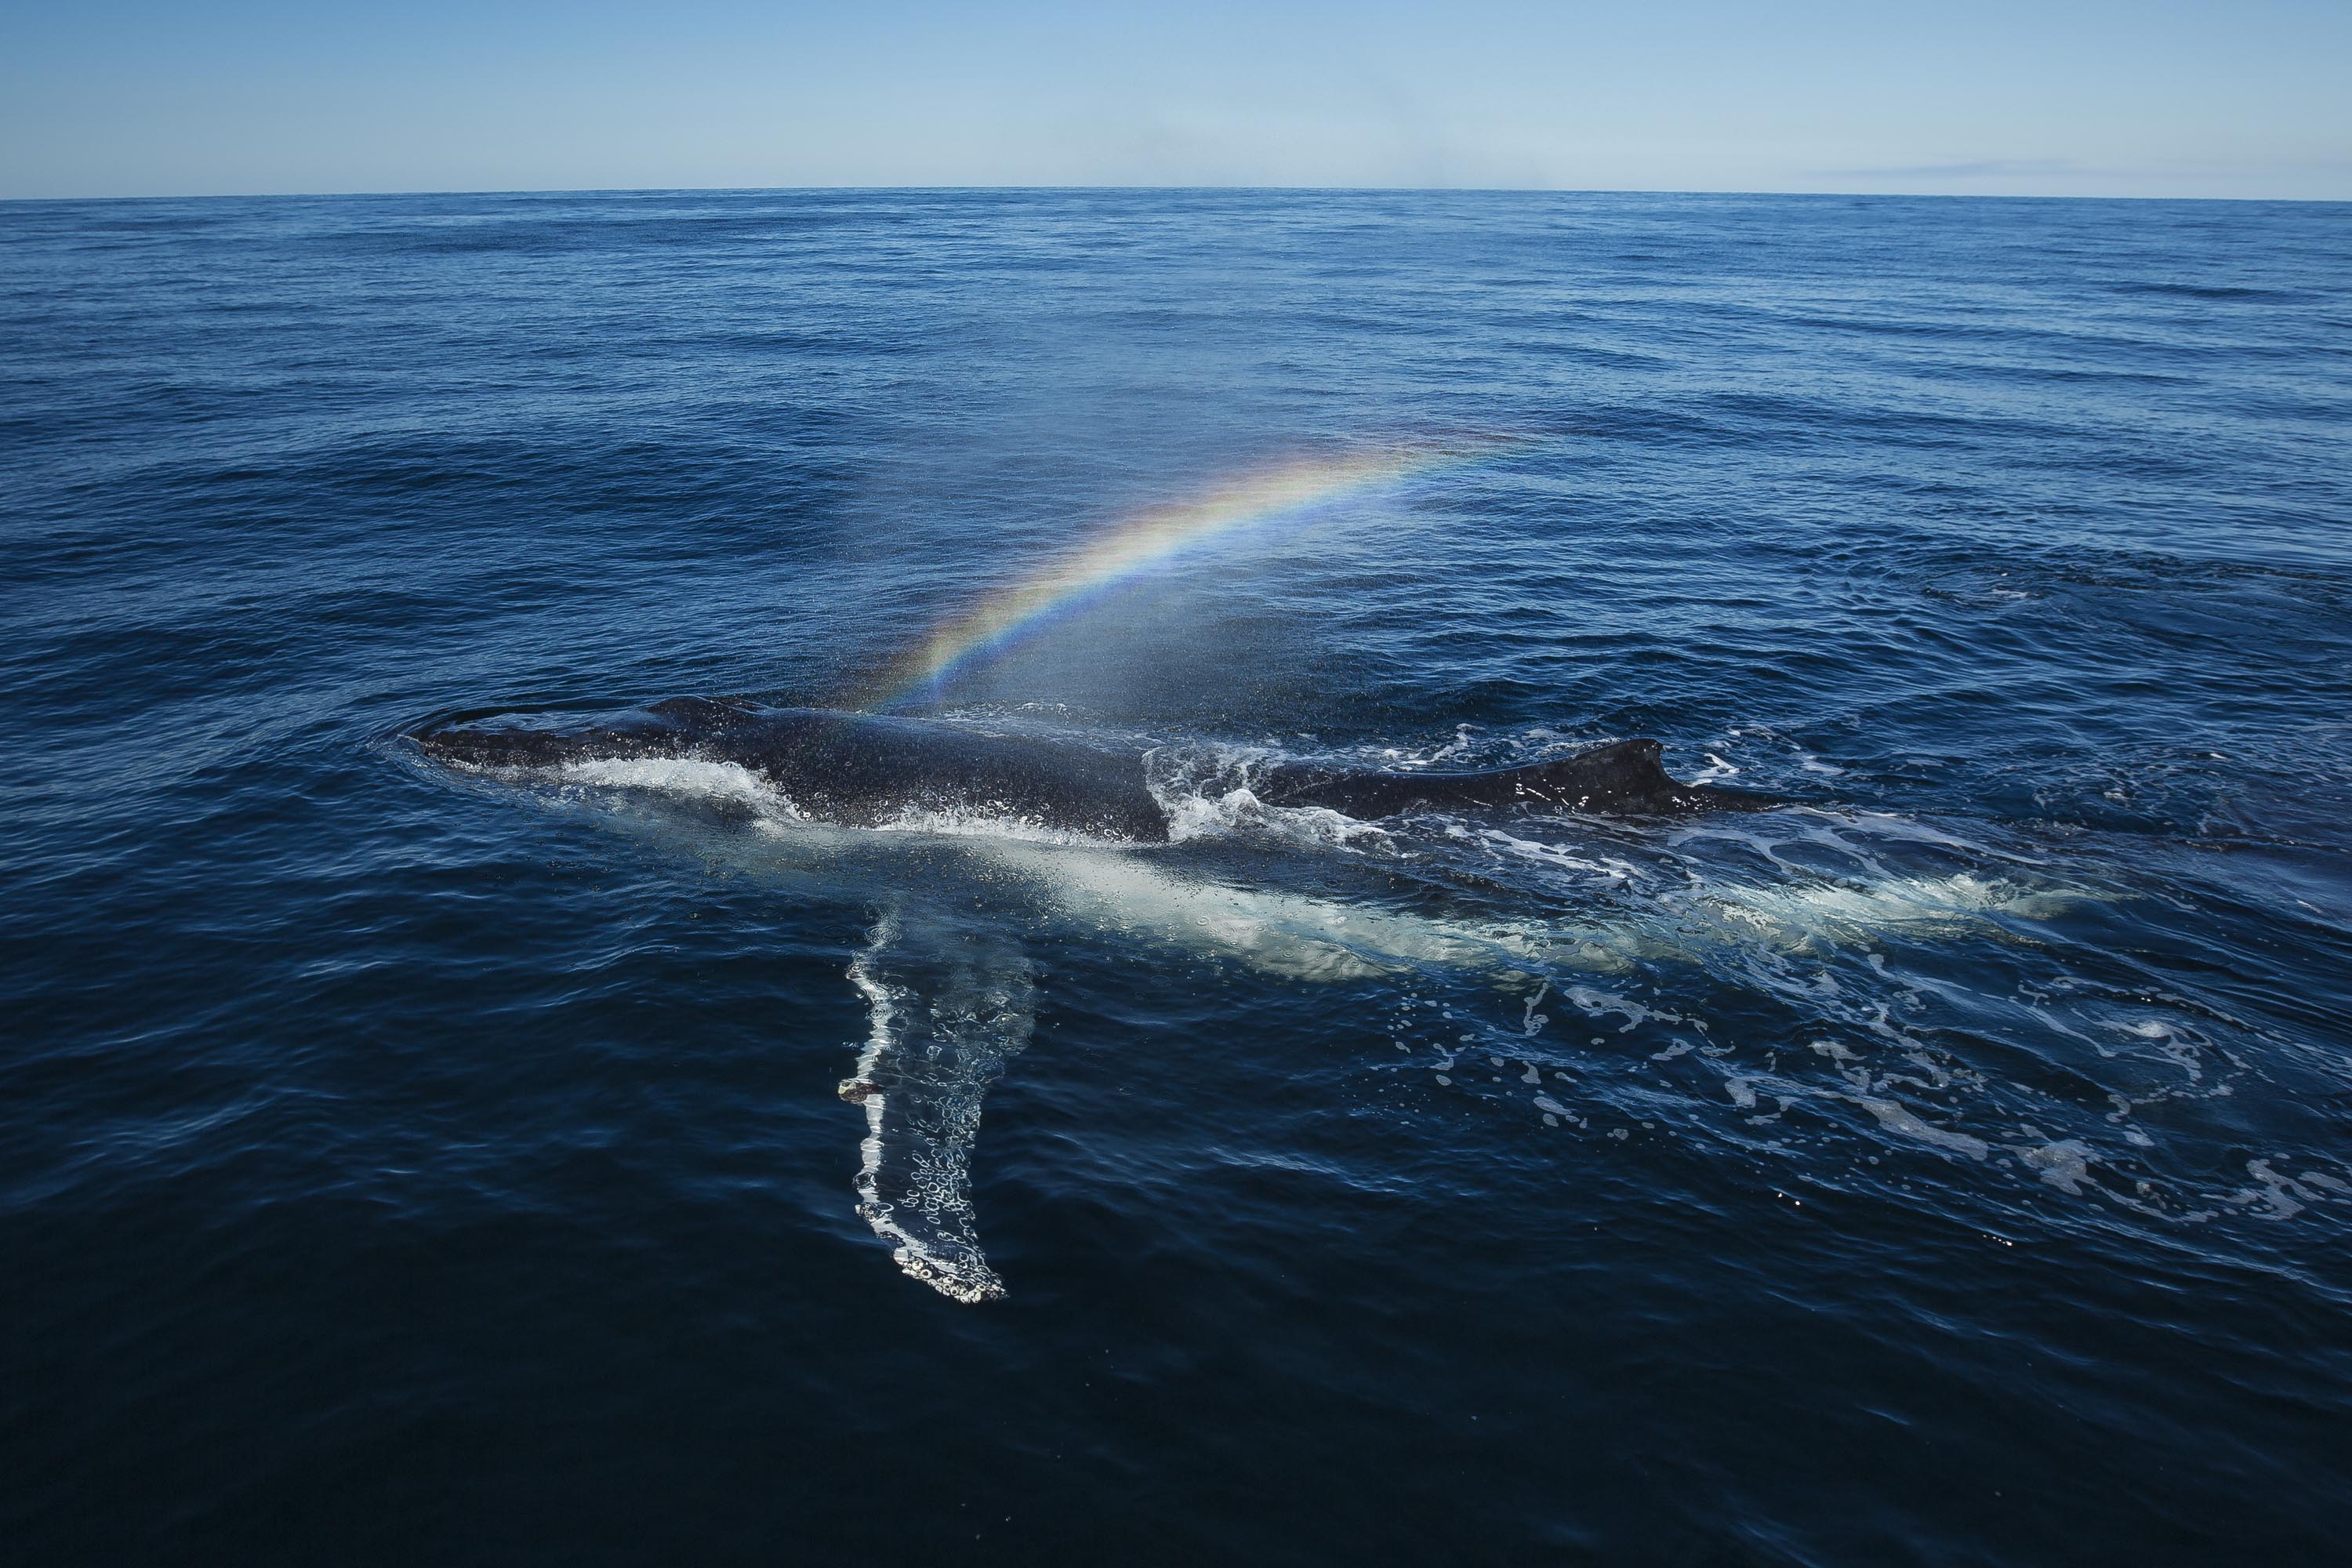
(1952,1165)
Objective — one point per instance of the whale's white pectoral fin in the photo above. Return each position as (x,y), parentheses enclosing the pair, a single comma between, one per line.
(946,1015)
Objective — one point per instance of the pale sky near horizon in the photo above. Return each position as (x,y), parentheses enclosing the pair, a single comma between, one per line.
(137,98)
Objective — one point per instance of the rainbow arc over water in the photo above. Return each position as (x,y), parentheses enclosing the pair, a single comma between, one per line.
(1155,541)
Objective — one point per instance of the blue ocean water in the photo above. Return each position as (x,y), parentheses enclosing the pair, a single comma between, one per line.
(1953,1164)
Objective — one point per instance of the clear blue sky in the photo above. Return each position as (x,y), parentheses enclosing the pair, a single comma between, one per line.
(136,96)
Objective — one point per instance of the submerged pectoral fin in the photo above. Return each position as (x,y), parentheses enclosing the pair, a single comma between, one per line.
(949,1009)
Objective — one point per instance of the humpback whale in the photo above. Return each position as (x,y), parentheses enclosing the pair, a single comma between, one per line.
(952,1000)
(864,769)
(953,995)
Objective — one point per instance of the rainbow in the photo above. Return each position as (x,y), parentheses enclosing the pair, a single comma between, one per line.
(1152,541)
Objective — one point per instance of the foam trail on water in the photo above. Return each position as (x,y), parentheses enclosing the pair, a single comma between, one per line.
(945,1017)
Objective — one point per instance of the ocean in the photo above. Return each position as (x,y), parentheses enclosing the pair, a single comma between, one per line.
(403,1163)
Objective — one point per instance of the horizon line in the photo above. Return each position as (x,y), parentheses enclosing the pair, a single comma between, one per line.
(1162,189)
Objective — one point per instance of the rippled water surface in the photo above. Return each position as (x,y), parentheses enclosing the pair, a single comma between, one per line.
(1952,1163)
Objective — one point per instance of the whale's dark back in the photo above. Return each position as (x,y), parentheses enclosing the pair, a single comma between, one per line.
(862,769)
(859,769)
(1627,777)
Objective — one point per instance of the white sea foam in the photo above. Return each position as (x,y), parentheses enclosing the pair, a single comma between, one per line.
(1600,1005)
(1716,769)
(728,782)
(1895,1118)
(2175,1043)
(2064,1164)
(982,821)
(930,1051)
(731,784)
(1238,813)
(1556,856)
(2283,1196)
(1204,791)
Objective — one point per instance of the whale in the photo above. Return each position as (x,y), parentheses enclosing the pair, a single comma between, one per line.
(970,926)
(863,770)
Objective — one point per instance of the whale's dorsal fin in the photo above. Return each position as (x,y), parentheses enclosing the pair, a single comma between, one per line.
(1623,772)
